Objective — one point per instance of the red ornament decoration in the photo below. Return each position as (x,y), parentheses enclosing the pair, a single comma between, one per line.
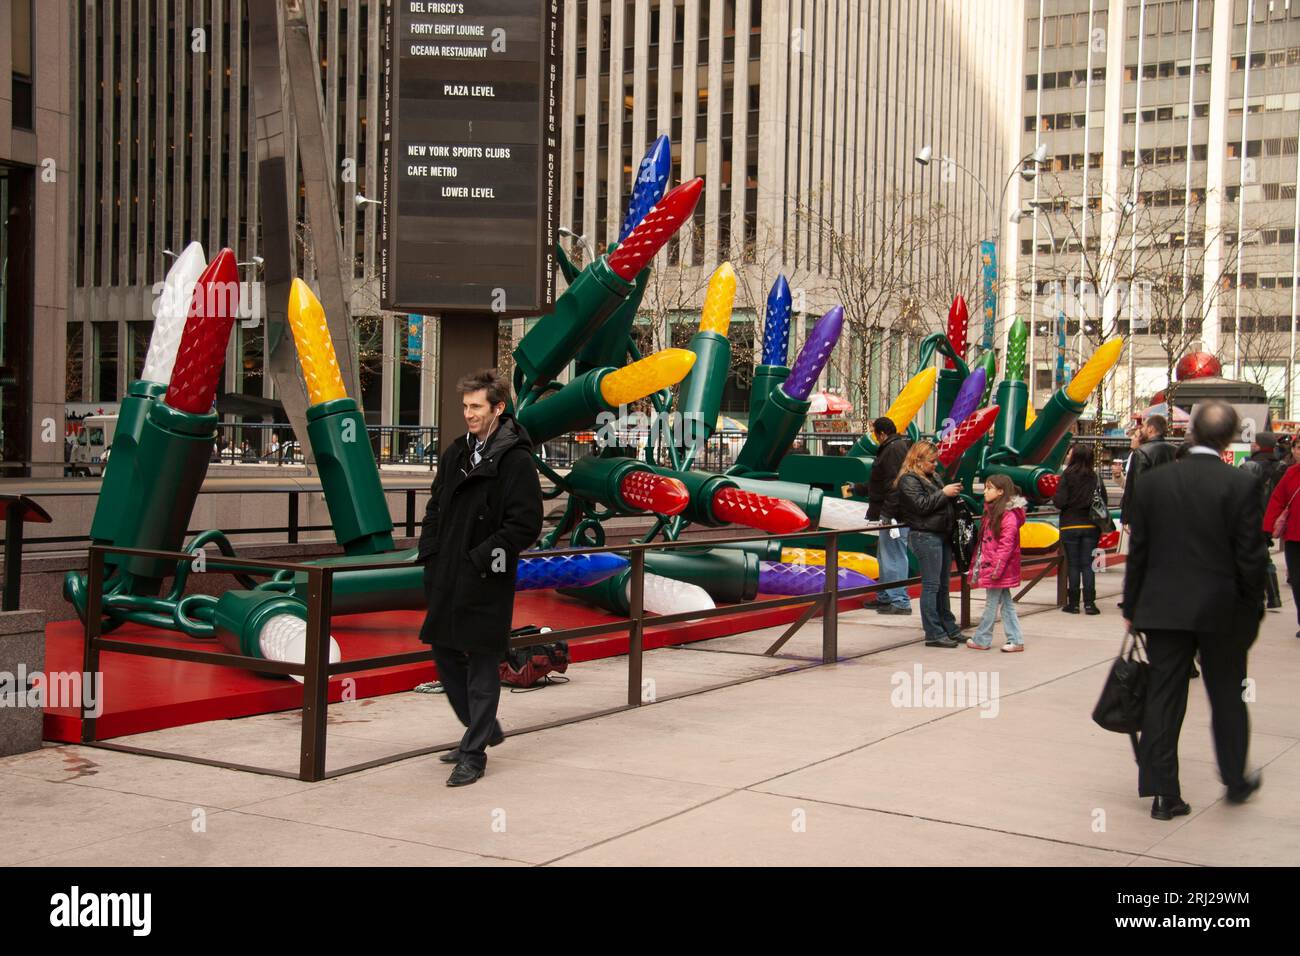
(763,512)
(1197,365)
(646,491)
(202,351)
(1047,484)
(655,229)
(964,434)
(958,324)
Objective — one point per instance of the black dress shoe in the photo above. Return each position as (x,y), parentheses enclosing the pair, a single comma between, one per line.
(1242,793)
(1091,608)
(942,642)
(453,755)
(1070,608)
(1166,808)
(465,774)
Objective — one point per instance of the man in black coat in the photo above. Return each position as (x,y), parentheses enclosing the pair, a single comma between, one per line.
(485,507)
(882,506)
(1194,581)
(1151,453)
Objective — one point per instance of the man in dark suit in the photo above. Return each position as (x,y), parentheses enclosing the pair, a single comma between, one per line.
(1194,581)
(1151,452)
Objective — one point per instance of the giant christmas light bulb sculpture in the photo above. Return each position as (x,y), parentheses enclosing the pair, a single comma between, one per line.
(858,561)
(964,434)
(1012,395)
(596,294)
(1062,410)
(796,579)
(969,396)
(336,430)
(787,405)
(177,436)
(700,396)
(763,512)
(1017,346)
(648,190)
(772,371)
(603,392)
(913,396)
(120,479)
(627,486)
(958,326)
(608,345)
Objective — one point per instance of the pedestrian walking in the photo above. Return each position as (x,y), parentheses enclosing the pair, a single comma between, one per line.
(926,507)
(1079,485)
(1194,582)
(999,563)
(1282,521)
(485,507)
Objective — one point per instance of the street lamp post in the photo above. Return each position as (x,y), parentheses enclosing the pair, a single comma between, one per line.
(1027,168)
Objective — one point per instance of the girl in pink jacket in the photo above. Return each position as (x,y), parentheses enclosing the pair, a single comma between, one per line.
(999,563)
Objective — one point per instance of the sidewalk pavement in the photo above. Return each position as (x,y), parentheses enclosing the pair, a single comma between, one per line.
(797,764)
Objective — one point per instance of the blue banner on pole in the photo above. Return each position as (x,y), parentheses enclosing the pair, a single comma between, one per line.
(414,338)
(989,258)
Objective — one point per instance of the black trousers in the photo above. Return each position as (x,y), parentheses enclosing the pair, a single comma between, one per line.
(1293,573)
(1079,544)
(1223,669)
(472,682)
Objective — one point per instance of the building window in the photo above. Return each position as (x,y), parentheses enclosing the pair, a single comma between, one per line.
(105,362)
(20,34)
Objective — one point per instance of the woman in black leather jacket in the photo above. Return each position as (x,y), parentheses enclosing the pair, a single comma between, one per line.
(1079,532)
(926,507)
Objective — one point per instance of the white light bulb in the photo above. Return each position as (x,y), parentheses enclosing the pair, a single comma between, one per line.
(666,596)
(284,638)
(840,514)
(173,308)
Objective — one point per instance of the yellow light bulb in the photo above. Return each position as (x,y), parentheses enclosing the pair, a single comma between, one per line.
(1039,534)
(858,561)
(311,334)
(1094,370)
(914,394)
(718,301)
(1030,416)
(633,382)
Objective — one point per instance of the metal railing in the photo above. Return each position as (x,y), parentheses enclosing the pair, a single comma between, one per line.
(317,671)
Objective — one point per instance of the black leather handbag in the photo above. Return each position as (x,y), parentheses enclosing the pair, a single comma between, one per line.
(963,537)
(1123,697)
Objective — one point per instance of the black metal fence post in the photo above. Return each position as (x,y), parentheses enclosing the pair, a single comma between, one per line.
(831,616)
(90,650)
(315,691)
(636,628)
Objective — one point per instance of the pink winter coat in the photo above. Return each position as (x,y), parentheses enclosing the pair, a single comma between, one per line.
(999,560)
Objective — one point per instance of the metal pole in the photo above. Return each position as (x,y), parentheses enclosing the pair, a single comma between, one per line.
(1295,288)
(315,687)
(1132,241)
(90,649)
(635,633)
(831,616)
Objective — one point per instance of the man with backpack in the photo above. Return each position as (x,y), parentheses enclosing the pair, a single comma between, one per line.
(1152,452)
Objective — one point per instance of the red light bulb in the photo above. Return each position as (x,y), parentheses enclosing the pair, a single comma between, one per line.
(646,491)
(1047,484)
(966,433)
(202,351)
(958,324)
(655,229)
(773,515)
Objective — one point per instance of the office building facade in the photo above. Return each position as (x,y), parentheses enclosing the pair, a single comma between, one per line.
(803,117)
(1173,130)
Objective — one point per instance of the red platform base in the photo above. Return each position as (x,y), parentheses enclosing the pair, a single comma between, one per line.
(143,693)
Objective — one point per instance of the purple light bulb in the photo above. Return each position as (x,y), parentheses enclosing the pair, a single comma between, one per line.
(814,355)
(774,577)
(969,396)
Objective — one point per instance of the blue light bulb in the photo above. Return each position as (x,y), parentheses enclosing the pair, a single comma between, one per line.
(651,183)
